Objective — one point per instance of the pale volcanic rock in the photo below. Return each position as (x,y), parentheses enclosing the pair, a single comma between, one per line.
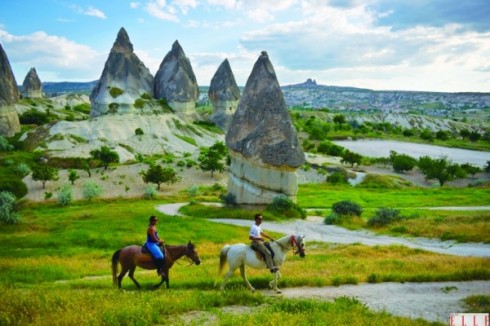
(32,86)
(263,143)
(125,71)
(9,95)
(224,95)
(176,83)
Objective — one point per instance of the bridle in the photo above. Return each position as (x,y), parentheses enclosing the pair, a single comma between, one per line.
(300,249)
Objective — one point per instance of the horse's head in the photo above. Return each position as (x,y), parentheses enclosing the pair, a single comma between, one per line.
(298,242)
(191,253)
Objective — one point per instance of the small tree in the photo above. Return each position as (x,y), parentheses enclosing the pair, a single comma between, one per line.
(73,176)
(105,155)
(158,175)
(91,190)
(403,162)
(65,195)
(44,174)
(440,169)
(22,170)
(7,208)
(474,136)
(487,167)
(351,158)
(339,119)
(465,133)
(212,158)
(347,207)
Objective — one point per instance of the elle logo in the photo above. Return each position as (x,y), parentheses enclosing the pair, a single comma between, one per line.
(468,319)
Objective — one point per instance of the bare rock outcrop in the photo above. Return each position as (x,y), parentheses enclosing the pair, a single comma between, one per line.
(32,86)
(9,95)
(262,141)
(176,83)
(124,80)
(224,95)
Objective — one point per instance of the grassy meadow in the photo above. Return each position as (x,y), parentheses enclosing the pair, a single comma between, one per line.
(55,269)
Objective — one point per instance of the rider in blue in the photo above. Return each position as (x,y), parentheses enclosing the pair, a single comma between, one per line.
(153,242)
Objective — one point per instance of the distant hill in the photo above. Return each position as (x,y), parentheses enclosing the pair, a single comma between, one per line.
(58,88)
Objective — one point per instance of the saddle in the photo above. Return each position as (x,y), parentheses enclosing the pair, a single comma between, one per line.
(262,255)
(146,251)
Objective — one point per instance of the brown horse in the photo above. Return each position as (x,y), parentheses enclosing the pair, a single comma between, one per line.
(131,257)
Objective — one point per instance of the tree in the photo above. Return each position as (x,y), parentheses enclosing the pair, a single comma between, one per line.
(339,119)
(402,162)
(73,176)
(44,173)
(211,159)
(442,135)
(440,169)
(487,167)
(351,158)
(105,155)
(89,164)
(157,174)
(464,133)
(474,136)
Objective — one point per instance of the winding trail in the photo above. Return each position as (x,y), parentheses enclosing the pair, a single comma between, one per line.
(433,301)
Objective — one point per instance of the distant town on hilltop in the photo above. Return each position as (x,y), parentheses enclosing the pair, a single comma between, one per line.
(309,94)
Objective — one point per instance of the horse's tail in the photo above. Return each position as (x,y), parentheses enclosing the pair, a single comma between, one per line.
(223,257)
(115,260)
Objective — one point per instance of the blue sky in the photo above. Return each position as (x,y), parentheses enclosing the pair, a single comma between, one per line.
(438,45)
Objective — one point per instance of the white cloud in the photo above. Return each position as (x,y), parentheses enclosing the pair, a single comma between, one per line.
(160,10)
(185,5)
(91,11)
(54,55)
(134,5)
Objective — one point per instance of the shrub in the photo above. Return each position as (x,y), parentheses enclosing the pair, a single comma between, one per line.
(146,96)
(73,176)
(282,205)
(138,131)
(228,200)
(403,162)
(338,177)
(22,170)
(91,190)
(331,219)
(385,216)
(48,195)
(7,208)
(33,117)
(82,108)
(347,207)
(5,145)
(14,186)
(65,195)
(115,92)
(139,103)
(150,191)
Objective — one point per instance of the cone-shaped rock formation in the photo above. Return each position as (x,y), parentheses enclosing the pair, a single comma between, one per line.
(9,95)
(176,83)
(124,80)
(224,94)
(262,141)
(32,86)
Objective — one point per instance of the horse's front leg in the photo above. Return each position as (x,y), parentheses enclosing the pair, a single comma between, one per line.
(273,283)
(244,276)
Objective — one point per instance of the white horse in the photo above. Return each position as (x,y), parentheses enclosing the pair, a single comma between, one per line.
(239,255)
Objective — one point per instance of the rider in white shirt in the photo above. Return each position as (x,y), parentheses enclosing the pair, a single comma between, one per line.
(257,236)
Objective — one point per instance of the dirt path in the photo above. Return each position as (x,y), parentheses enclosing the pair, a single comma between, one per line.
(314,229)
(433,301)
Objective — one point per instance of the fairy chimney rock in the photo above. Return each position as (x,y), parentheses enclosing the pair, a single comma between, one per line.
(9,95)
(32,86)
(262,141)
(176,83)
(224,95)
(124,80)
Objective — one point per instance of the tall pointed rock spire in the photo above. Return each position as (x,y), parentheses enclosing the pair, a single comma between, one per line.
(263,143)
(9,95)
(224,94)
(124,80)
(176,83)
(32,86)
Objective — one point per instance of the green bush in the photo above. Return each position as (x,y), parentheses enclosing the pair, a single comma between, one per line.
(284,206)
(150,191)
(22,170)
(338,177)
(115,92)
(228,200)
(14,186)
(139,103)
(82,108)
(347,207)
(331,219)
(138,131)
(5,145)
(385,216)
(33,117)
(7,208)
(65,195)
(91,190)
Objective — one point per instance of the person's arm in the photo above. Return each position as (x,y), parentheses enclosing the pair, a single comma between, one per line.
(253,237)
(265,235)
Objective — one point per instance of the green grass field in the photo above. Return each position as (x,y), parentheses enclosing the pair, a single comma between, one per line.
(55,269)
